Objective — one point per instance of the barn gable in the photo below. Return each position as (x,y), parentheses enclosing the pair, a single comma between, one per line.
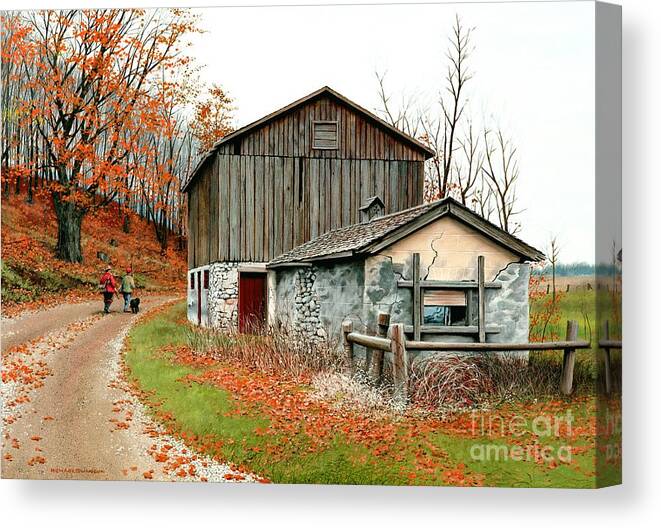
(298,130)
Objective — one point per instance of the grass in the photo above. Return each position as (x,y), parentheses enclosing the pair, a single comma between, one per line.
(410,449)
(583,306)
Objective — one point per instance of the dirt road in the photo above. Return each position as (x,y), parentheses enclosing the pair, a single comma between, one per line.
(67,413)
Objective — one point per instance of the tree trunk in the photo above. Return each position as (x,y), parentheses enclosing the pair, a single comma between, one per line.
(69,220)
(126,224)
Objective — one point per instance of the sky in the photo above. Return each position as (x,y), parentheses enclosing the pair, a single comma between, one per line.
(533,75)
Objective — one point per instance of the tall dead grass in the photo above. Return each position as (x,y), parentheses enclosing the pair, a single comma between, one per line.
(276,351)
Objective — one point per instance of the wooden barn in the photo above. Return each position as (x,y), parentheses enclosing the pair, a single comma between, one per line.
(314,214)
(281,181)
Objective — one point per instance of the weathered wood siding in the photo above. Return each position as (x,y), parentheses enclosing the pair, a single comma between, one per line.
(290,135)
(269,191)
(203,218)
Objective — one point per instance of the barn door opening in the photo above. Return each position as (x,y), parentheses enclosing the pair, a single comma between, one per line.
(252,302)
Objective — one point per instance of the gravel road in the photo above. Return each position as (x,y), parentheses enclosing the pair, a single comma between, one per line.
(67,413)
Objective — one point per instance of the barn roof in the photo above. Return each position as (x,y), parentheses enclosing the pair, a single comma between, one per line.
(323,91)
(370,237)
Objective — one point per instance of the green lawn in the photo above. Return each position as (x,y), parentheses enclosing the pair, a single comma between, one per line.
(417,452)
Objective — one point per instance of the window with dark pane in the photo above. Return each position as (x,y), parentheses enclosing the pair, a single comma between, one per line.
(445,308)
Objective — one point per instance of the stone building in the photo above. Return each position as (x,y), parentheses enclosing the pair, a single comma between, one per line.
(357,271)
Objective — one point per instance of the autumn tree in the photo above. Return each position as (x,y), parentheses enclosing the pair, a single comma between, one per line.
(165,157)
(213,118)
(89,76)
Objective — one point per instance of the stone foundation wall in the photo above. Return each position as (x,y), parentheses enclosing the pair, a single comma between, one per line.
(223,296)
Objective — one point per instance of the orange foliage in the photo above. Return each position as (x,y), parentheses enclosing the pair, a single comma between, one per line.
(213,118)
(30,232)
(547,313)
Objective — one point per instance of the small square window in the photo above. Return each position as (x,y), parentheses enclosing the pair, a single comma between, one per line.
(192,281)
(324,135)
(445,308)
(206,279)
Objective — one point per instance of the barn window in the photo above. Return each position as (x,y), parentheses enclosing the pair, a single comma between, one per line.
(206,279)
(192,281)
(324,135)
(445,308)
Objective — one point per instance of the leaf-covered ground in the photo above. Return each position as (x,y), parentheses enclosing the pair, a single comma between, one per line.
(275,427)
(32,277)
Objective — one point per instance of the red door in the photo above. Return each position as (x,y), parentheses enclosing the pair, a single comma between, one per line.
(252,302)
(199,297)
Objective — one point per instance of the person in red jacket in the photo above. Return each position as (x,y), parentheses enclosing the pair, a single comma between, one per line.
(108,286)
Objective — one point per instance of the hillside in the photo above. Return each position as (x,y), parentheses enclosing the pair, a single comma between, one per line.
(32,276)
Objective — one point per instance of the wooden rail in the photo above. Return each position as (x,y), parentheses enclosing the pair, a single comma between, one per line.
(398,345)
(495,347)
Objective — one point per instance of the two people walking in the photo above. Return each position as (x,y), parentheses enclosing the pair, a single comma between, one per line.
(108,285)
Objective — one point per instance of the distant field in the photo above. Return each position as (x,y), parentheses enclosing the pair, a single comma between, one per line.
(575,282)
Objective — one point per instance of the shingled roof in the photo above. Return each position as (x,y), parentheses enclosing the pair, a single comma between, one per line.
(370,237)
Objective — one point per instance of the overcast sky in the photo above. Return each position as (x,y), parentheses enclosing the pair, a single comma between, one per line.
(533,70)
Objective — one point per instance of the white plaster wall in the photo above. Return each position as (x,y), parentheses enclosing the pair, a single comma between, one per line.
(456,247)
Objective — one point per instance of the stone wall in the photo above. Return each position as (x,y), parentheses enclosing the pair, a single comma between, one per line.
(223,297)
(507,307)
(314,300)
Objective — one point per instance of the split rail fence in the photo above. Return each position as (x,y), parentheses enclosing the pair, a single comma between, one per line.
(392,338)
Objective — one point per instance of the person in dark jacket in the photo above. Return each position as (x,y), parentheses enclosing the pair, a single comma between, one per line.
(108,286)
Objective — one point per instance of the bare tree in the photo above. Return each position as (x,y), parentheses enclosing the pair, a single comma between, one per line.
(453,103)
(501,170)
(482,200)
(439,128)
(470,171)
(405,117)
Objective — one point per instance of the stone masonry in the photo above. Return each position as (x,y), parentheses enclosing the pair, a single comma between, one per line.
(223,300)
(306,315)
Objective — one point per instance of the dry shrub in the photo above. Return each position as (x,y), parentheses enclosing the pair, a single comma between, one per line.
(454,380)
(449,379)
(276,351)
(352,393)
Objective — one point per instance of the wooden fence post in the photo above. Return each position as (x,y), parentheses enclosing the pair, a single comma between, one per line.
(347,328)
(383,321)
(481,301)
(567,376)
(418,301)
(607,359)
(400,364)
